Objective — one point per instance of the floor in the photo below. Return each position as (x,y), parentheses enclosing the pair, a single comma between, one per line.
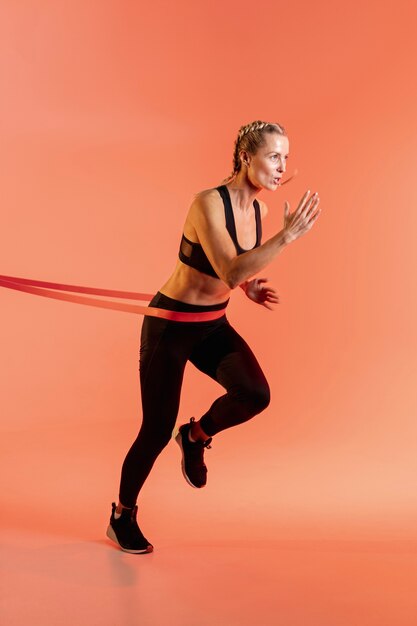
(67,580)
(220,559)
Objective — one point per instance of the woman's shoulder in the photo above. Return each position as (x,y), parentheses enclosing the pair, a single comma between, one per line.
(207,198)
(206,207)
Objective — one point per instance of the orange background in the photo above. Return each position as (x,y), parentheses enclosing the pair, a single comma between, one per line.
(112,116)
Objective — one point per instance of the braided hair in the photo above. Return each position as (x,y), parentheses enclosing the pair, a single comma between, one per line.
(250,138)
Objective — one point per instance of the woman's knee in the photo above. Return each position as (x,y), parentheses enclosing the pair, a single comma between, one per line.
(261,397)
(155,439)
(256,397)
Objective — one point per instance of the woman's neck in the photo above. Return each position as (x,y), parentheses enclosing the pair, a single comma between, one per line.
(243,193)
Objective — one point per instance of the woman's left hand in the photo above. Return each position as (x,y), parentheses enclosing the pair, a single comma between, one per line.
(261,294)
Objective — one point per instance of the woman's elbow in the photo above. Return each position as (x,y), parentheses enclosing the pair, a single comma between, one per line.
(231,279)
(230,284)
(229,274)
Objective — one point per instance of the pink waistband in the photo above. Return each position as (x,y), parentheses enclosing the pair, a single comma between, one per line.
(43,288)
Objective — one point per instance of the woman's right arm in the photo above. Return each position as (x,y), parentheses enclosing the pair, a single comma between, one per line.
(207,217)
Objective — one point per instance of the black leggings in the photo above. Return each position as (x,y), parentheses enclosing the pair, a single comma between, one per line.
(216,349)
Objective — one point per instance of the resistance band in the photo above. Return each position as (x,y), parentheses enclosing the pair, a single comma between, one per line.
(42,288)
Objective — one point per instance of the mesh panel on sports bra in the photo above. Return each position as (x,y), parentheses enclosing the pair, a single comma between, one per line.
(186,248)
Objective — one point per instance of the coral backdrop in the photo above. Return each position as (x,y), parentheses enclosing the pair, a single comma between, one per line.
(112,115)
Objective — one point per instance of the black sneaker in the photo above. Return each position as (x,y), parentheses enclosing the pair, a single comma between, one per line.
(126,533)
(192,463)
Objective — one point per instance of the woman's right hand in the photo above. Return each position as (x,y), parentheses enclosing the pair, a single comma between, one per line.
(298,223)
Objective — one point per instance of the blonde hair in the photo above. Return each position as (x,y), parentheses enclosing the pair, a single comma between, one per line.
(250,138)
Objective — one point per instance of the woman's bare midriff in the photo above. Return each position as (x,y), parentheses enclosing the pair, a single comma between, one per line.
(189,285)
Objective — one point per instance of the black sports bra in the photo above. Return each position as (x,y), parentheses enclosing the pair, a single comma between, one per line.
(192,253)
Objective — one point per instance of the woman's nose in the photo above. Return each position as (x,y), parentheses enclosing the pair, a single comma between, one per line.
(281,165)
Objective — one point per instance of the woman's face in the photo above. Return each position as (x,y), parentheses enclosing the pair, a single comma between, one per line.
(268,165)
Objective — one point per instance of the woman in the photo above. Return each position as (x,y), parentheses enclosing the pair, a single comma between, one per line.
(220,250)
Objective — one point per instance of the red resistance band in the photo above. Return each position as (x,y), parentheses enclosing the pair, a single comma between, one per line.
(39,288)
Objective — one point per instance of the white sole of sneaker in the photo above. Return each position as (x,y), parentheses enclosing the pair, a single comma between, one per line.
(112,535)
(178,438)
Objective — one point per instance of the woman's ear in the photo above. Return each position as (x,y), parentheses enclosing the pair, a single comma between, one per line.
(244,158)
